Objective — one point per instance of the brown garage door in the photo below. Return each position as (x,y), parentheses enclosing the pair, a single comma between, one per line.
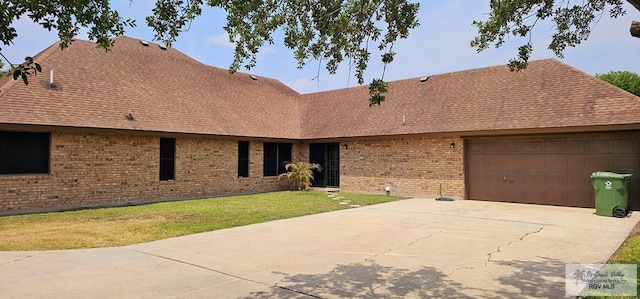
(549,169)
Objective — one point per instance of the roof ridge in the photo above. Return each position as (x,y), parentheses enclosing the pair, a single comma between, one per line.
(434,75)
(242,73)
(537,61)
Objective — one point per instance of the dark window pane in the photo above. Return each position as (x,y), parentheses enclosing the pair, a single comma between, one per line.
(24,153)
(167,158)
(167,170)
(168,148)
(243,168)
(270,161)
(284,156)
(271,150)
(276,155)
(243,159)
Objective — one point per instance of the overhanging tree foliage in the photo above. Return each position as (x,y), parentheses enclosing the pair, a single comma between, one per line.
(572,19)
(626,80)
(332,31)
(326,30)
(66,17)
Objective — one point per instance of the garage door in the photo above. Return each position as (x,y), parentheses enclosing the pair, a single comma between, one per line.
(549,169)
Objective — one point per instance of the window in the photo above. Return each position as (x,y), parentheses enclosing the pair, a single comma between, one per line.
(24,153)
(276,155)
(243,159)
(167,159)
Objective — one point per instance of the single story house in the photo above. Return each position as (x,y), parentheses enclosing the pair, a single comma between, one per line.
(148,123)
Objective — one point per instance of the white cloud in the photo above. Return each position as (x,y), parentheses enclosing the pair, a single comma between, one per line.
(264,51)
(221,39)
(303,85)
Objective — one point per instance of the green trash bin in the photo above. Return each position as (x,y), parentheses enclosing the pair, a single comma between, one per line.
(612,198)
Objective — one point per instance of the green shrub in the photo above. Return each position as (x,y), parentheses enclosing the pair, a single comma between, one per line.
(300,174)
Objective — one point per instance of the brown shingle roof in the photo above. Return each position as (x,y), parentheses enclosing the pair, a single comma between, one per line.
(168,91)
(164,90)
(548,94)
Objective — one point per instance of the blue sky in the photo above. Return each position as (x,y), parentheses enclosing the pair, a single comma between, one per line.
(439,45)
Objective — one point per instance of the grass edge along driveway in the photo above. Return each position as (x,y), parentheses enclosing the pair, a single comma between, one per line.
(627,253)
(108,227)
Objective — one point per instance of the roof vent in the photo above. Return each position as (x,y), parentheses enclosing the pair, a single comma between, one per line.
(52,85)
(424,79)
(144,43)
(162,47)
(129,116)
(254,78)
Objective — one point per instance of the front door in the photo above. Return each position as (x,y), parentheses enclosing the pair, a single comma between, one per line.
(328,156)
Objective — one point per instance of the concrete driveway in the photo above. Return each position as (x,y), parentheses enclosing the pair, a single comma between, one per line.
(417,248)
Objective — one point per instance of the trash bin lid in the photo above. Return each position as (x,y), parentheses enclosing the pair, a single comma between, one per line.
(610,175)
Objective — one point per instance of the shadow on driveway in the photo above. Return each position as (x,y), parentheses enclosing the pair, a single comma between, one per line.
(367,281)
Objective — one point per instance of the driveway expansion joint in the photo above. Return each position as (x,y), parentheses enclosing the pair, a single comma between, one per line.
(298,292)
(463,216)
(371,257)
(227,274)
(16,260)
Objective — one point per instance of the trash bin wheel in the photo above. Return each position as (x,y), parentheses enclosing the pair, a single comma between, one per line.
(619,212)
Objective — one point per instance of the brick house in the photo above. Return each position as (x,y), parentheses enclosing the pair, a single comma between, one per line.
(146,123)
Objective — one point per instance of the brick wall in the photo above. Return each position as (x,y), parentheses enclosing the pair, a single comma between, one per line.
(90,169)
(410,165)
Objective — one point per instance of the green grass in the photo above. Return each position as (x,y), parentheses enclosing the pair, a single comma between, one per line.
(628,253)
(107,227)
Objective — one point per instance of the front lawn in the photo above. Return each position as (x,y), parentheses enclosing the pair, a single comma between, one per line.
(120,226)
(628,253)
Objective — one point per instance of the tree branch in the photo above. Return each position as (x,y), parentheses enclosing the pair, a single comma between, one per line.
(7,60)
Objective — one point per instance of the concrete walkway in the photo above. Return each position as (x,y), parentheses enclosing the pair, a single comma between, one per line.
(417,248)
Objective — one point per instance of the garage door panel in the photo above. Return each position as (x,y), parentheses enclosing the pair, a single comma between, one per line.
(600,145)
(535,179)
(577,146)
(601,162)
(533,146)
(555,146)
(580,198)
(512,147)
(579,181)
(574,162)
(555,162)
(532,195)
(552,170)
(624,161)
(557,196)
(625,145)
(494,162)
(533,161)
(555,180)
(513,162)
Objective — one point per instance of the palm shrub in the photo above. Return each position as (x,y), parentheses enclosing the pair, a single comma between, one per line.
(300,174)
